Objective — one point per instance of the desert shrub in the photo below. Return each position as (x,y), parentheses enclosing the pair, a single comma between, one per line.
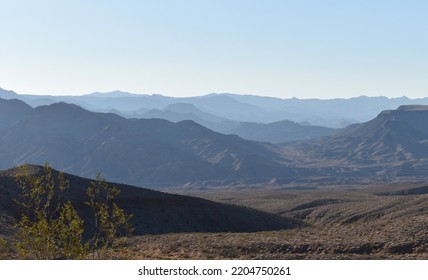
(109,219)
(51,228)
(6,248)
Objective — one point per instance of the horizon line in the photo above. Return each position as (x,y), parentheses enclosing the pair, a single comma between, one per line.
(208,94)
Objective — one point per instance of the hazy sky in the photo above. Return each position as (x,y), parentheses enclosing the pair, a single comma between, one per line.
(320,49)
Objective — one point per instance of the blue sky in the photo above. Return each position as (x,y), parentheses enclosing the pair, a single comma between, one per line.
(305,49)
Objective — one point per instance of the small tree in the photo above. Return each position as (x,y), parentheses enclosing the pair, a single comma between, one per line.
(109,219)
(51,228)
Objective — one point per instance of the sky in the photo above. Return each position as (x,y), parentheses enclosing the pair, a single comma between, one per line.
(282,48)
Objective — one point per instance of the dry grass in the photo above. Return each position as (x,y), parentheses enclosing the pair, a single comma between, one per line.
(399,240)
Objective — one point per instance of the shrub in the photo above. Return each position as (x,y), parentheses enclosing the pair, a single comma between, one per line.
(109,219)
(51,228)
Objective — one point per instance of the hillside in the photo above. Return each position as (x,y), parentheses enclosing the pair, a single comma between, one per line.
(154,212)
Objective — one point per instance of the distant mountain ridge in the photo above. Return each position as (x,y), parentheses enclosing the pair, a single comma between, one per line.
(336,113)
(280,132)
(277,132)
(177,112)
(8,94)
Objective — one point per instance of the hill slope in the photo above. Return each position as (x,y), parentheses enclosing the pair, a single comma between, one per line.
(154,212)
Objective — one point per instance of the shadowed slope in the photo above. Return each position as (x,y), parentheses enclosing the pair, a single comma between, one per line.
(155,212)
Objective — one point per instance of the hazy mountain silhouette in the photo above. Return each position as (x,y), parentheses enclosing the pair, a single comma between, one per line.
(185,108)
(177,112)
(154,212)
(241,108)
(7,94)
(338,112)
(280,132)
(12,111)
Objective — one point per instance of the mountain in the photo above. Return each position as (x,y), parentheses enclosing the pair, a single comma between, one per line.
(188,108)
(7,94)
(148,152)
(228,107)
(280,132)
(177,112)
(112,94)
(393,145)
(221,127)
(154,212)
(277,132)
(12,111)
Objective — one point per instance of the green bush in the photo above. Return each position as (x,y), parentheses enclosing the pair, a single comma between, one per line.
(109,219)
(51,228)
(6,249)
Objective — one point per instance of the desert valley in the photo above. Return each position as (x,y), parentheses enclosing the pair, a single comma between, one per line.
(226,176)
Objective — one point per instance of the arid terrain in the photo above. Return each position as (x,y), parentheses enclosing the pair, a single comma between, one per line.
(378,222)
(371,222)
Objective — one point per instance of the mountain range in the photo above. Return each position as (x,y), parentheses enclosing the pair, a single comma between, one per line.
(275,133)
(159,153)
(336,113)
(150,152)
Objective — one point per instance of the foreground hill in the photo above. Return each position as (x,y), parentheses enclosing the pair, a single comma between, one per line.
(154,212)
(149,152)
